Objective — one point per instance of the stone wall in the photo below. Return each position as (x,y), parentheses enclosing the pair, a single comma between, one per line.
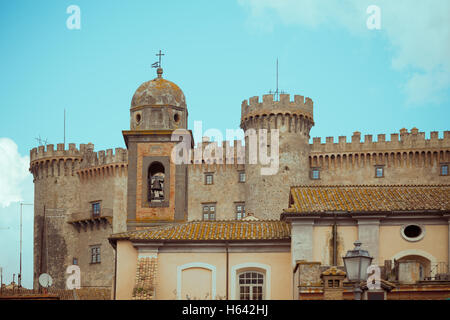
(226,190)
(412,159)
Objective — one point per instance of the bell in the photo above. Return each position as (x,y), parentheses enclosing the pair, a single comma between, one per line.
(156,185)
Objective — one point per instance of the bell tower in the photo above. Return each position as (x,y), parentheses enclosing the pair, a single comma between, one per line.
(157,187)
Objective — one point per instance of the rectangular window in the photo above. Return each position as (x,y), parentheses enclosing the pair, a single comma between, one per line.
(379,172)
(209,178)
(96,209)
(95,254)
(444,170)
(315,174)
(251,286)
(242,176)
(209,212)
(240,211)
(75,261)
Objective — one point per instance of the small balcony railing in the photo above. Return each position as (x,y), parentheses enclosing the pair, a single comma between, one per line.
(438,272)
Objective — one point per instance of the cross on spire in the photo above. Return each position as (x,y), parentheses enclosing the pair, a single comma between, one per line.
(158,63)
(160,54)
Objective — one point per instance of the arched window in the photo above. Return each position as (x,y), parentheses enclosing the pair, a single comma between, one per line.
(156,175)
(251,285)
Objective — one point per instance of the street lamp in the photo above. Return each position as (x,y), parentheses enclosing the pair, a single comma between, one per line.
(19,278)
(356,262)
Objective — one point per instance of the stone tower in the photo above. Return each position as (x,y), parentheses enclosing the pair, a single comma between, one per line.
(268,195)
(157,188)
(55,194)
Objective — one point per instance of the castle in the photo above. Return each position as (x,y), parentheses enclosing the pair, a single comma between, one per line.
(146,227)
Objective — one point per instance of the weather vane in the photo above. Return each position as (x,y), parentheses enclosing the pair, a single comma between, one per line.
(157,64)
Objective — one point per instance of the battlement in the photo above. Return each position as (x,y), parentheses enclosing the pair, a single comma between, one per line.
(85,154)
(209,152)
(402,141)
(44,152)
(300,105)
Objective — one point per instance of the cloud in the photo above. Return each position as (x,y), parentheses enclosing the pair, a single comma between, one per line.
(13,172)
(419,32)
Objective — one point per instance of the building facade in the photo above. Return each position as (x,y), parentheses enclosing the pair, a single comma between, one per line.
(217,222)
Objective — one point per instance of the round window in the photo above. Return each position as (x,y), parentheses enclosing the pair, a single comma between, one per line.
(138,117)
(413,232)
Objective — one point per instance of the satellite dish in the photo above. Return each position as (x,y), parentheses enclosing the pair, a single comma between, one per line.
(45,280)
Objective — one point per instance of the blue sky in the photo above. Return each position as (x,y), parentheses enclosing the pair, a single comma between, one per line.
(219,53)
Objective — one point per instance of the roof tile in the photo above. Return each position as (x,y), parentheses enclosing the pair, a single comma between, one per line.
(316,199)
(212,230)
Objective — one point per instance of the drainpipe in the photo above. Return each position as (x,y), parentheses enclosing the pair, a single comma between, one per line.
(227,268)
(115,272)
(334,243)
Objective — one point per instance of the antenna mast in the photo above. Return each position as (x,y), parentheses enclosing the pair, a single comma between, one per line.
(276,97)
(277,92)
(64,126)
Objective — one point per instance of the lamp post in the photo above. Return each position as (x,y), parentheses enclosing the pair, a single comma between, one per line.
(19,277)
(356,262)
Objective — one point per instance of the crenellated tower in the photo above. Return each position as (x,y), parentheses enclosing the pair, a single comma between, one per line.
(267,195)
(66,183)
(55,195)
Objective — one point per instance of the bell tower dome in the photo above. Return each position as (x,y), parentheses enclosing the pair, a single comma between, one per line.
(158,104)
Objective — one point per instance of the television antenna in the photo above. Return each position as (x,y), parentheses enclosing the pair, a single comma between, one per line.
(41,141)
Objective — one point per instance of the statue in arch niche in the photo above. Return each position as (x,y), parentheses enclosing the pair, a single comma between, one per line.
(156,182)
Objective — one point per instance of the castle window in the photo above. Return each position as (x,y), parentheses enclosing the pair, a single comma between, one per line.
(240,211)
(444,170)
(209,178)
(242,176)
(315,173)
(209,212)
(96,209)
(95,254)
(379,172)
(251,285)
(75,261)
(156,175)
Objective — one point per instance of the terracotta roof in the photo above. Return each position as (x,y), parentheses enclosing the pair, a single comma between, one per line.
(317,199)
(212,230)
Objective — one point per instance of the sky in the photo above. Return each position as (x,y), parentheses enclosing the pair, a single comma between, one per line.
(219,53)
